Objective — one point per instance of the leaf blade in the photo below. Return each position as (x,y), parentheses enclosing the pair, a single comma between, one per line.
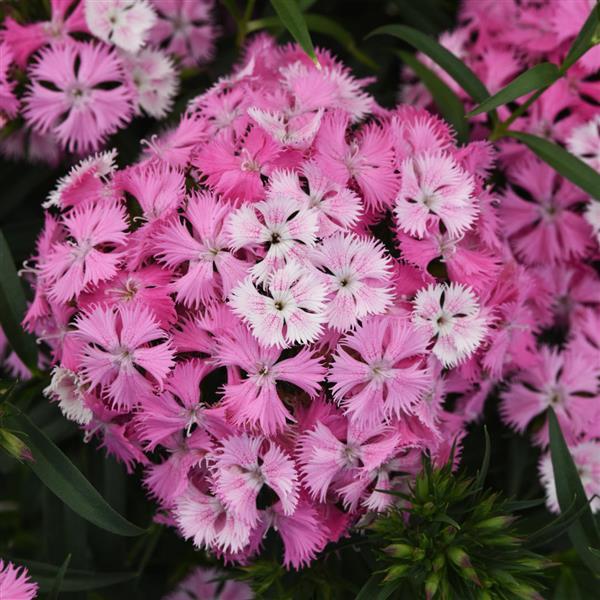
(565,163)
(539,76)
(290,15)
(583,532)
(460,72)
(61,476)
(584,40)
(448,103)
(13,307)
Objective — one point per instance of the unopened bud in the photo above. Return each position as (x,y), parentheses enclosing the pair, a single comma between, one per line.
(14,446)
(396,572)
(399,550)
(431,585)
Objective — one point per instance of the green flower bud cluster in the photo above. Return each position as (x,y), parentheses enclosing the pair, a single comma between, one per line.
(451,539)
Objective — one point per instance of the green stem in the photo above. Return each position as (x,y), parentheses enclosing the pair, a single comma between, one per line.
(502,127)
(243,23)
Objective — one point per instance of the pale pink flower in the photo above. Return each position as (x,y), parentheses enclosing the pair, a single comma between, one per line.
(206,520)
(435,189)
(377,371)
(68,389)
(586,456)
(67,95)
(338,207)
(212,269)
(584,142)
(15,583)
(357,273)
(124,23)
(241,468)
(205,583)
(117,346)
(255,400)
(279,226)
(288,309)
(592,216)
(154,78)
(88,255)
(368,159)
(450,313)
(186,29)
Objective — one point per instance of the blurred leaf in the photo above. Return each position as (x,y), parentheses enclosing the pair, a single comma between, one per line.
(233,9)
(539,76)
(583,531)
(291,16)
(75,580)
(485,464)
(449,104)
(58,581)
(559,159)
(371,588)
(462,74)
(12,309)
(327,26)
(588,36)
(61,476)
(516,505)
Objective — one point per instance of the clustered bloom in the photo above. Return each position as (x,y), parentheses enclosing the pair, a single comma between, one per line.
(273,336)
(93,66)
(15,583)
(550,228)
(206,583)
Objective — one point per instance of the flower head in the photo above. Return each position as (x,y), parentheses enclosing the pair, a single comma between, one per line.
(15,583)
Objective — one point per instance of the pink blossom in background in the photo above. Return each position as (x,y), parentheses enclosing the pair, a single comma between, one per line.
(205,584)
(15,583)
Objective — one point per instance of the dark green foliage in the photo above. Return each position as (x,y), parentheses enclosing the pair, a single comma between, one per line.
(453,539)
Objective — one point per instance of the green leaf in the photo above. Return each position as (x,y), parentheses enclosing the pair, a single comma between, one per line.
(462,74)
(537,77)
(327,26)
(374,589)
(73,581)
(588,37)
(449,104)
(289,13)
(583,532)
(560,160)
(12,308)
(233,9)
(516,505)
(58,582)
(61,476)
(485,464)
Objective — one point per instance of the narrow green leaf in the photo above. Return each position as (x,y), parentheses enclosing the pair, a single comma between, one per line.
(448,520)
(291,16)
(371,589)
(61,476)
(516,505)
(327,26)
(12,308)
(462,74)
(539,76)
(449,104)
(58,582)
(233,9)
(588,37)
(485,464)
(74,580)
(560,160)
(583,531)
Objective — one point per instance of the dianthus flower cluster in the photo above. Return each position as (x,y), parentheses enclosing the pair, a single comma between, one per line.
(91,67)
(550,228)
(205,583)
(275,310)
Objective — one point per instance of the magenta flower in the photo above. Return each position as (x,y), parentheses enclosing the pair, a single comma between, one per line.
(204,583)
(540,214)
(68,95)
(377,372)
(243,466)
(15,583)
(434,189)
(288,309)
(368,159)
(357,274)
(9,104)
(254,400)
(88,255)
(116,348)
(566,381)
(211,268)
